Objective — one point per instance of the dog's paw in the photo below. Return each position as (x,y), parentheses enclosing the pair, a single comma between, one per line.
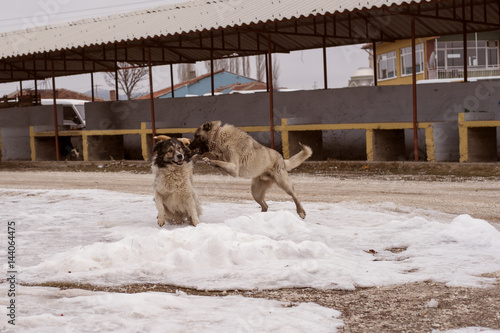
(161,223)
(206,160)
(196,158)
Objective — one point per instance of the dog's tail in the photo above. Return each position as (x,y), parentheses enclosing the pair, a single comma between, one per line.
(298,158)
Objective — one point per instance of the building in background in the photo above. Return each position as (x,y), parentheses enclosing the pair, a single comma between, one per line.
(224,83)
(438,58)
(362,77)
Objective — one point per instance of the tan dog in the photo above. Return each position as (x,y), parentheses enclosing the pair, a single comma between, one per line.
(175,197)
(241,156)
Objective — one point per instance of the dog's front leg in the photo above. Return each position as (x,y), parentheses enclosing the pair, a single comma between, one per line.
(196,158)
(160,208)
(231,168)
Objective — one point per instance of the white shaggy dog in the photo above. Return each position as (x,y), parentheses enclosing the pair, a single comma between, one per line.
(175,196)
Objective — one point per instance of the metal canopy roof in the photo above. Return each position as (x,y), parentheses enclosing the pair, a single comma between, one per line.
(202,30)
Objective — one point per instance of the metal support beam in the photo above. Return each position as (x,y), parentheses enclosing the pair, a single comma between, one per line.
(414,88)
(325,70)
(172,79)
(466,65)
(92,85)
(116,82)
(212,63)
(56,130)
(271,90)
(35,83)
(151,96)
(375,68)
(267,72)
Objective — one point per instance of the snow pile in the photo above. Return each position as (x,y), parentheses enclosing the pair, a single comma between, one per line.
(47,310)
(110,238)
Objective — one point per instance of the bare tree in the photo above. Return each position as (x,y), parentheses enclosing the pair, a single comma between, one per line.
(260,64)
(129,78)
(276,73)
(184,71)
(242,66)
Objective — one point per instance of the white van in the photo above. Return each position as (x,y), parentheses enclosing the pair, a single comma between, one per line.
(73,111)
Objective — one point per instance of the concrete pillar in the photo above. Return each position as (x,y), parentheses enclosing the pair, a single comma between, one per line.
(446,142)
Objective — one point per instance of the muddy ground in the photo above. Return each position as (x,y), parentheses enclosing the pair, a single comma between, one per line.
(448,187)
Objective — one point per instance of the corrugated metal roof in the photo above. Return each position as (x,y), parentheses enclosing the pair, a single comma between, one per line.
(187,31)
(170,20)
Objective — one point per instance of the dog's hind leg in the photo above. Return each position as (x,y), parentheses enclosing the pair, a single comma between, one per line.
(160,208)
(259,187)
(281,179)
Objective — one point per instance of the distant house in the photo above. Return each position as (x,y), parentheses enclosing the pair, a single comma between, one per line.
(224,83)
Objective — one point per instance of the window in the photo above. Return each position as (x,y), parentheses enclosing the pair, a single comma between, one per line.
(480,54)
(386,65)
(406,64)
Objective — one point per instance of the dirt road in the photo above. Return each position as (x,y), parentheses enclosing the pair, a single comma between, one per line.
(400,308)
(477,197)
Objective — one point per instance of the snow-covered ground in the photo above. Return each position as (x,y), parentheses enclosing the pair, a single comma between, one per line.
(109,238)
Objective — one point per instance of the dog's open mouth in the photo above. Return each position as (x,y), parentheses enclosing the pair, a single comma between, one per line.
(178,162)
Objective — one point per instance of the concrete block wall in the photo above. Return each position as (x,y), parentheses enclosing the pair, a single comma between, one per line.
(14,128)
(436,103)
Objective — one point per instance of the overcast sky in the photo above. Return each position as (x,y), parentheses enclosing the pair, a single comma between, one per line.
(299,70)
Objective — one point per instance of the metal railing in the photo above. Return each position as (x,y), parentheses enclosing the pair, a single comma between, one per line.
(471,72)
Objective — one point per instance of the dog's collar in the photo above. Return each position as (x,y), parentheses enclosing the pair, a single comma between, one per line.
(212,143)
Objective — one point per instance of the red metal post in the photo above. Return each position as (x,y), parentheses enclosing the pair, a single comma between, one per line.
(271,90)
(375,69)
(414,87)
(464,37)
(116,83)
(151,96)
(212,63)
(325,69)
(117,95)
(92,85)
(172,79)
(36,83)
(466,65)
(56,130)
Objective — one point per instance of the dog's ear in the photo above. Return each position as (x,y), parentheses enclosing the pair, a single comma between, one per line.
(162,137)
(185,141)
(207,126)
(157,146)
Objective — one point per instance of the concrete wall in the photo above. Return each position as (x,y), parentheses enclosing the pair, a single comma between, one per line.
(14,128)
(436,103)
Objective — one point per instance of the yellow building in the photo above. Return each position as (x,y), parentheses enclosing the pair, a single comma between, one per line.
(438,58)
(394,66)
